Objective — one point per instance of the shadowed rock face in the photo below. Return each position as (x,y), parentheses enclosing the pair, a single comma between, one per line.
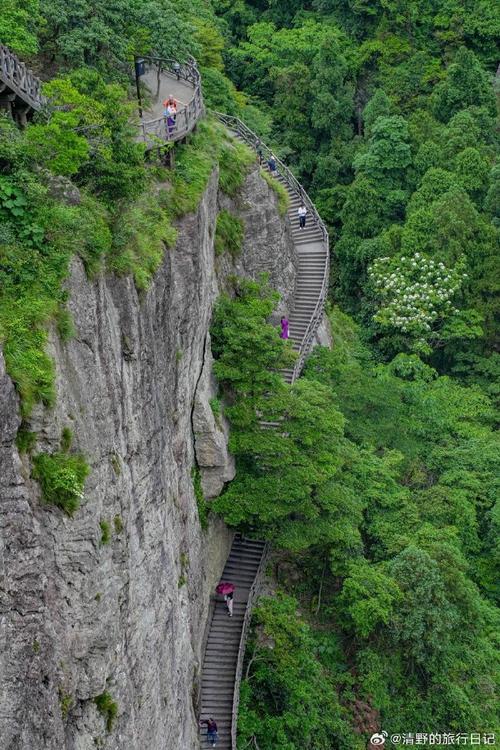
(77,617)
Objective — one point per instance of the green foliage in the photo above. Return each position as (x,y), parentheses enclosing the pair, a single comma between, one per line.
(229,234)
(369,596)
(381,476)
(18,24)
(235,160)
(66,439)
(281,192)
(61,478)
(25,440)
(194,165)
(78,33)
(108,708)
(118,524)
(288,699)
(105,531)
(216,406)
(141,232)
(66,703)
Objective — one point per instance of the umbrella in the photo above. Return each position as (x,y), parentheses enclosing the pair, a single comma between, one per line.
(225,587)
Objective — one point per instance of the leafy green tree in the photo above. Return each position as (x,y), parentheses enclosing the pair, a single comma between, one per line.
(466,84)
(388,154)
(288,700)
(369,596)
(18,26)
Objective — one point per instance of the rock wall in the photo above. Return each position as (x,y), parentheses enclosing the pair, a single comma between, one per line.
(78,617)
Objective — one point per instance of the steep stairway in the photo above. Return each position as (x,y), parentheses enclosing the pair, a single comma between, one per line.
(223,660)
(312,247)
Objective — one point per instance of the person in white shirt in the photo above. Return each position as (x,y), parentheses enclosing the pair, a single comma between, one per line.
(302,212)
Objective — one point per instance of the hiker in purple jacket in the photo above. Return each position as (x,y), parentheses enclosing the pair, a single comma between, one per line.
(284,328)
(212,735)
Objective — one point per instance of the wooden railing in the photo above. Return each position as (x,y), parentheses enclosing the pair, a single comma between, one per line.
(156,131)
(19,79)
(238,126)
(243,640)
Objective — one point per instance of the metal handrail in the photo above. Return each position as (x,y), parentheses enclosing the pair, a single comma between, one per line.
(242,646)
(20,79)
(234,123)
(156,130)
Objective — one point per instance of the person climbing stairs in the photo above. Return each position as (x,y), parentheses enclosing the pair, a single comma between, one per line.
(219,680)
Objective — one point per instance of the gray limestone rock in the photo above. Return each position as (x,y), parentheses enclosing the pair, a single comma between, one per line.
(211,433)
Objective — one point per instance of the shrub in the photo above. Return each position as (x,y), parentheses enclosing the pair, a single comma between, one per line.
(195,160)
(64,322)
(25,440)
(281,192)
(61,478)
(105,531)
(141,232)
(234,162)
(118,524)
(285,678)
(200,499)
(229,233)
(194,164)
(66,439)
(216,407)
(65,702)
(108,708)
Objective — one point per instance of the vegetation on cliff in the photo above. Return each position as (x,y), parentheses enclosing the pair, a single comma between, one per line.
(380,489)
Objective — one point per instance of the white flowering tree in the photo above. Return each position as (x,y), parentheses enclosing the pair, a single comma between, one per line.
(415,296)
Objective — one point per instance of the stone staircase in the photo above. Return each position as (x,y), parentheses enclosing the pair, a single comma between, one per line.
(225,646)
(312,247)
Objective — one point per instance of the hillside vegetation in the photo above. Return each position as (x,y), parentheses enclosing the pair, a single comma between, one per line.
(380,492)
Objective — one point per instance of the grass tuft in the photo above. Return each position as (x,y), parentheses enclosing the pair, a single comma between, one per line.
(25,440)
(105,531)
(66,439)
(200,499)
(61,478)
(108,708)
(281,192)
(229,234)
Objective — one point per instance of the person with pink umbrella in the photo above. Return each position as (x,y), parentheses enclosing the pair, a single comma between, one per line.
(226,589)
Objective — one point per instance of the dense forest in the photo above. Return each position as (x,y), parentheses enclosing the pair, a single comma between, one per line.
(380,494)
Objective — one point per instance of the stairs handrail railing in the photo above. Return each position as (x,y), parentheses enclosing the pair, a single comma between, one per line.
(18,77)
(193,110)
(242,646)
(255,142)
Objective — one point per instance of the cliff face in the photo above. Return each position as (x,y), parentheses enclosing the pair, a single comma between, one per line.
(78,617)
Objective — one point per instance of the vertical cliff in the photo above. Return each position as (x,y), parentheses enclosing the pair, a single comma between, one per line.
(79,617)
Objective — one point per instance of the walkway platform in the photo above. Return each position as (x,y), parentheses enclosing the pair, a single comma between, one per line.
(168,78)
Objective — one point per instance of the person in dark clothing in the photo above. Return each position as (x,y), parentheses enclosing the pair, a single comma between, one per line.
(271,163)
(258,148)
(212,735)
